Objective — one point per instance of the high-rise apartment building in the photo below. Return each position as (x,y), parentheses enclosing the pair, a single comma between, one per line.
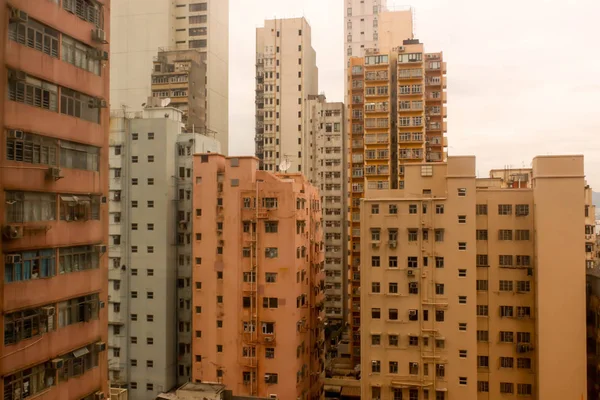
(178,78)
(286,74)
(372,25)
(201,25)
(258,279)
(396,119)
(592,263)
(150,248)
(460,280)
(54,132)
(324,154)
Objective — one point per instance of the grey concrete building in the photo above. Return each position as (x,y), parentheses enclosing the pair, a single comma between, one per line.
(149,249)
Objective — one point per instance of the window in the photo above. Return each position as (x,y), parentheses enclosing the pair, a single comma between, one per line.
(439,235)
(506,311)
(393,314)
(29,207)
(393,209)
(393,367)
(80,309)
(393,262)
(35,35)
(522,210)
(524,363)
(270,302)
(76,104)
(482,234)
(150,272)
(271,277)
(375,287)
(462,192)
(413,235)
(26,324)
(483,362)
(271,226)
(413,288)
(504,209)
(32,265)
(376,366)
(462,219)
(462,246)
(505,234)
(375,261)
(150,181)
(462,299)
(393,340)
(506,337)
(462,380)
(198,19)
(413,340)
(505,286)
(195,7)
(412,209)
(79,258)
(271,252)
(523,286)
(440,370)
(375,313)
(483,386)
(481,209)
(80,55)
(522,234)
(439,315)
(375,209)
(482,285)
(375,340)
(439,262)
(28,382)
(439,208)
(524,389)
(462,326)
(483,336)
(482,260)
(482,310)
(507,387)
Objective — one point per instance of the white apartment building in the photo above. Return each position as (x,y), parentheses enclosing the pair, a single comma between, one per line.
(150,249)
(286,74)
(324,154)
(141,28)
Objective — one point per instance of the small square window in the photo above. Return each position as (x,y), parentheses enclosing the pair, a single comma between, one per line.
(150,227)
(150,135)
(150,181)
(134,159)
(150,158)
(134,136)
(150,204)
(150,272)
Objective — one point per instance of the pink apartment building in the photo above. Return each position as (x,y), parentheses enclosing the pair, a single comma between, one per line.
(258,279)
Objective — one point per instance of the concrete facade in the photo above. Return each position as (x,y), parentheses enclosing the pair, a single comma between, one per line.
(176,25)
(150,218)
(460,277)
(286,74)
(396,119)
(324,153)
(258,277)
(54,132)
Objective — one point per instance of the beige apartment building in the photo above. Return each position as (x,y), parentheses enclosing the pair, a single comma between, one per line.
(143,28)
(178,78)
(475,288)
(286,74)
(396,119)
(258,279)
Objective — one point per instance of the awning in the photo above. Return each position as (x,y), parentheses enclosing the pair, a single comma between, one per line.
(80,352)
(68,199)
(441,389)
(75,199)
(332,388)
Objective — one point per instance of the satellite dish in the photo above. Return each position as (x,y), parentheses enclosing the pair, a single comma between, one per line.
(165,102)
(285,165)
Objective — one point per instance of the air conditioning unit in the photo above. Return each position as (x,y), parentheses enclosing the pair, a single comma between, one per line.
(410,272)
(99,396)
(48,311)
(267,378)
(15,134)
(53,173)
(400,48)
(412,313)
(273,396)
(97,103)
(12,232)
(12,258)
(100,346)
(393,244)
(99,35)
(375,245)
(57,363)
(17,75)
(17,15)
(100,248)
(268,339)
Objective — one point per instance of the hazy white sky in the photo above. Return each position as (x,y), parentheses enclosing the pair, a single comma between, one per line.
(523,76)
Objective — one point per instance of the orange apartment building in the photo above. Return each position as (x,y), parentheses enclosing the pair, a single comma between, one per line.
(397,112)
(258,280)
(54,82)
(475,288)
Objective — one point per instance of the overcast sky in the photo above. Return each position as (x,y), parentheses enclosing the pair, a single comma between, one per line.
(523,76)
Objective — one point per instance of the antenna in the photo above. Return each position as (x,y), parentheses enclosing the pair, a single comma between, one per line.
(285,165)
(165,102)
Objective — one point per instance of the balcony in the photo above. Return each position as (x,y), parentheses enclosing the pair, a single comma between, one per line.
(377,76)
(377,107)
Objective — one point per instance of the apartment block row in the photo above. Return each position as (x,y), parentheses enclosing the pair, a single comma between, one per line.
(54,125)
(459,281)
